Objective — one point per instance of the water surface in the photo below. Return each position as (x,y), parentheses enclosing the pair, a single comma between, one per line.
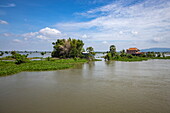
(95,87)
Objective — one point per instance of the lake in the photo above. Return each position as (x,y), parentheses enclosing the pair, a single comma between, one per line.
(94,87)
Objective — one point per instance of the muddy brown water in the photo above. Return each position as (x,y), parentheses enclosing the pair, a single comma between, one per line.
(95,87)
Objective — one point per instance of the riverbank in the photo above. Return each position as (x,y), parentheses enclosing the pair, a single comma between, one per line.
(135,58)
(9,67)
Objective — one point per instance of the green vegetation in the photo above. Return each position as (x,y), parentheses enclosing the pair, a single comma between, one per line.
(123,56)
(113,50)
(134,58)
(1,53)
(43,53)
(67,48)
(8,67)
(167,57)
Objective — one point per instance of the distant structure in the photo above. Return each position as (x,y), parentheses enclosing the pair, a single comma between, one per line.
(133,51)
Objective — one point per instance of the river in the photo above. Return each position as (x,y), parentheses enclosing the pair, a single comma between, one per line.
(95,87)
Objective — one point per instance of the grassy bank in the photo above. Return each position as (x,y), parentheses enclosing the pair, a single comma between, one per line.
(131,59)
(135,58)
(8,67)
(167,57)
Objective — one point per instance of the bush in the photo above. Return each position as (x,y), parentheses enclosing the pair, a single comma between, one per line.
(108,56)
(20,58)
(129,56)
(48,58)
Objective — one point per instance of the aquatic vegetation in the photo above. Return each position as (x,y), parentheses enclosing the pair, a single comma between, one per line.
(8,67)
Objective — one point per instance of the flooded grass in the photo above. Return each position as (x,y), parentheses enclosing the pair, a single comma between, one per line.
(9,68)
(132,59)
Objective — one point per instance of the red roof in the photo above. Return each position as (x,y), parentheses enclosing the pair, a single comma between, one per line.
(133,49)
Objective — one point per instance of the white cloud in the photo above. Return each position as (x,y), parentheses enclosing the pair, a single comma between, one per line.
(8,5)
(49,32)
(3,22)
(17,41)
(116,21)
(134,32)
(85,36)
(105,42)
(121,32)
(44,34)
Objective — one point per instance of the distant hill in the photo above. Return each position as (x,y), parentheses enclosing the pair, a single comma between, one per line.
(156,50)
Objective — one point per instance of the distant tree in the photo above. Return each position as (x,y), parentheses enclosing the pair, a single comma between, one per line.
(43,53)
(20,58)
(150,54)
(89,49)
(158,54)
(163,54)
(13,52)
(108,57)
(113,50)
(122,53)
(6,52)
(1,53)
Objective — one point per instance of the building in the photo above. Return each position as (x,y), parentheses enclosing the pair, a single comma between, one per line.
(134,51)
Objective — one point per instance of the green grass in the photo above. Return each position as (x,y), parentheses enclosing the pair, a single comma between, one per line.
(136,58)
(131,59)
(9,68)
(167,57)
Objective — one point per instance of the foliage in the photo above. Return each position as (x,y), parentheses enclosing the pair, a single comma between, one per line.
(43,53)
(134,58)
(108,56)
(6,52)
(8,67)
(123,53)
(89,49)
(48,58)
(91,53)
(113,50)
(13,52)
(20,58)
(67,48)
(163,55)
(1,53)
(150,54)
(158,54)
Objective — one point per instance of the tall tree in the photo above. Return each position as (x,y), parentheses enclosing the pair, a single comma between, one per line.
(113,50)
(67,48)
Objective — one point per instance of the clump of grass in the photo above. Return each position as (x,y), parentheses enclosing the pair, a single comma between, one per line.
(9,68)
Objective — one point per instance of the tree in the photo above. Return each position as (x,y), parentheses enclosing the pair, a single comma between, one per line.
(89,49)
(20,58)
(13,52)
(43,53)
(122,53)
(113,50)
(158,54)
(163,54)
(108,57)
(6,52)
(67,48)
(1,53)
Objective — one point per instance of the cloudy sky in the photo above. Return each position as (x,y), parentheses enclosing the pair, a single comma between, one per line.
(35,24)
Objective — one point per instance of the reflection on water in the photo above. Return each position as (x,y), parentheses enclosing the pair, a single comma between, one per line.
(94,87)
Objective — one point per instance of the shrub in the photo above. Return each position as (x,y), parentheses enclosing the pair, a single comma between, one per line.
(20,58)
(108,56)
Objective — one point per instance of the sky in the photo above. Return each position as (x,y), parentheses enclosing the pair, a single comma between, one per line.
(35,24)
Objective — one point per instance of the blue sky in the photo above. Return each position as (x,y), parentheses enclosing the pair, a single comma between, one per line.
(35,24)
